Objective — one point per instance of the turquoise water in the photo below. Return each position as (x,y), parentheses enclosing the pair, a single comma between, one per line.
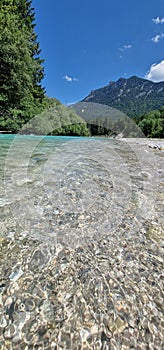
(72,187)
(48,182)
(30,147)
(44,144)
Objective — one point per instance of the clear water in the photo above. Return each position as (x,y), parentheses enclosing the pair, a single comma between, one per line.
(70,189)
(80,243)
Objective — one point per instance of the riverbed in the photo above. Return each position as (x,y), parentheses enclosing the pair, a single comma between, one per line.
(81,243)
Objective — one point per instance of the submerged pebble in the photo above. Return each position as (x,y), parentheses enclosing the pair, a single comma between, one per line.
(81,266)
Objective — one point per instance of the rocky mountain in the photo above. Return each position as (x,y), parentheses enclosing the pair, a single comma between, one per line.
(133,96)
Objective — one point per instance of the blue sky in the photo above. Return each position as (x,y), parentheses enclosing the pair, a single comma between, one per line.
(88,43)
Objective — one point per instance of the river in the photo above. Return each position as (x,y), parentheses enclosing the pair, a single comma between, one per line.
(81,243)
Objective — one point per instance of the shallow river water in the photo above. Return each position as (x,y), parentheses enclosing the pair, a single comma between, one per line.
(81,243)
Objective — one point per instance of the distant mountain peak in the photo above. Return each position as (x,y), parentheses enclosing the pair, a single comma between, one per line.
(122,79)
(133,96)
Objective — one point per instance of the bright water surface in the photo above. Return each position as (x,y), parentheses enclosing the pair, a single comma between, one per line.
(71,188)
(80,244)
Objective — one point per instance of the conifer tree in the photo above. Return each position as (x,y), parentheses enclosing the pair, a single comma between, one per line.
(26,14)
(21,69)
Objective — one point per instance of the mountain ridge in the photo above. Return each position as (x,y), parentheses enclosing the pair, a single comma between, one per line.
(133,96)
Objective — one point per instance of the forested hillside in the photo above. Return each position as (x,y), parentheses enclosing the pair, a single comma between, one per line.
(133,96)
(105,120)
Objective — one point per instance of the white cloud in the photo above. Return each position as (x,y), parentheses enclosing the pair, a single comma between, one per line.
(70,79)
(125,47)
(156,39)
(158,20)
(75,79)
(67,78)
(156,72)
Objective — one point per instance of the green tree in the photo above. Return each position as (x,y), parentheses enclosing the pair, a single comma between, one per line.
(21,71)
(152,123)
(25,12)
